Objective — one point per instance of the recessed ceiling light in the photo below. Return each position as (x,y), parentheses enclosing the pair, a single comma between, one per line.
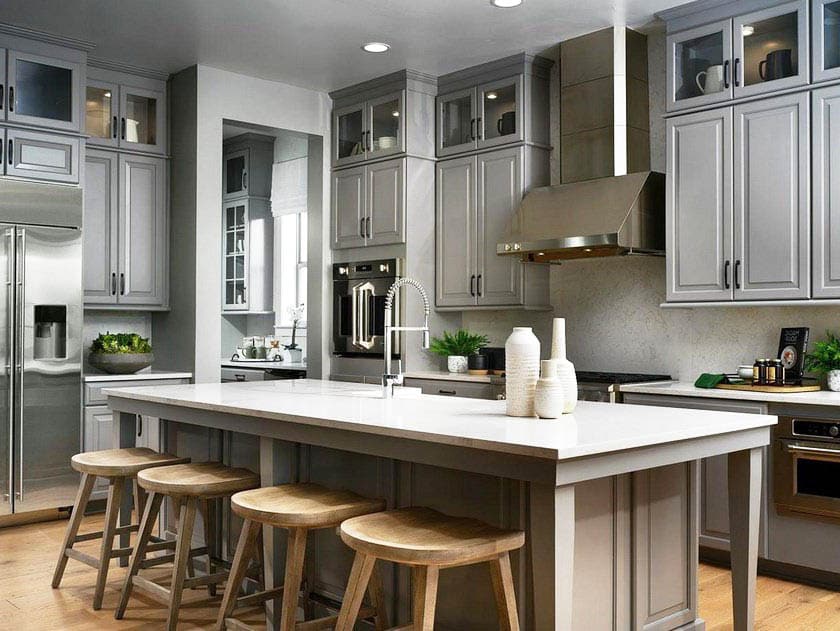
(505,4)
(747,30)
(375,47)
(491,95)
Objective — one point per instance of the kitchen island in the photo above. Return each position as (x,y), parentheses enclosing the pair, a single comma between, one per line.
(627,559)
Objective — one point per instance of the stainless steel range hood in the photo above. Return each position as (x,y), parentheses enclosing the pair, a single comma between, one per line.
(604,217)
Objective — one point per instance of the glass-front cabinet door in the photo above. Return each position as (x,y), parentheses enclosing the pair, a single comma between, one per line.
(102,113)
(771,49)
(699,66)
(826,32)
(235,272)
(456,122)
(500,112)
(141,119)
(235,176)
(386,116)
(350,134)
(43,91)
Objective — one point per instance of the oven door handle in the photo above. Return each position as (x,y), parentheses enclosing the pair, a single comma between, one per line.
(361,337)
(828,451)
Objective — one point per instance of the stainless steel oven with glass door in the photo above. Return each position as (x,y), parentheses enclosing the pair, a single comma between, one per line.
(806,467)
(359,291)
(40,344)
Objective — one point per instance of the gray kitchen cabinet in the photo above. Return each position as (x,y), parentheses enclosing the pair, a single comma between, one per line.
(247,270)
(98,434)
(43,91)
(476,200)
(247,167)
(699,65)
(368,203)
(699,206)
(826,194)
(825,30)
(126,239)
(372,129)
(771,208)
(37,155)
(450,388)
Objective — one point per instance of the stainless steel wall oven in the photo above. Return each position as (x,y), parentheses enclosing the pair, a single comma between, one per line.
(359,291)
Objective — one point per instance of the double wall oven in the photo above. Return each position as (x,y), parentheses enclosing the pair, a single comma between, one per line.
(359,291)
(806,467)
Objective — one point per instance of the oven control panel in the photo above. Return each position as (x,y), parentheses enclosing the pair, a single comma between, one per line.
(817,429)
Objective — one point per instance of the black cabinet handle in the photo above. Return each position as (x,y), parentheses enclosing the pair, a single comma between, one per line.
(114,128)
(472,129)
(478,133)
(11,98)
(726,74)
(244,180)
(472,285)
(737,274)
(11,152)
(726,275)
(122,128)
(367,228)
(122,284)
(735,79)
(113,283)
(2,96)
(362,227)
(449,393)
(478,285)
(139,425)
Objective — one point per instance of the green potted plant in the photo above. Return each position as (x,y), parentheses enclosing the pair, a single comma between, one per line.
(456,347)
(121,353)
(825,358)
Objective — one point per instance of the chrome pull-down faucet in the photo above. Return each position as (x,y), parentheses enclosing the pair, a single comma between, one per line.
(389,379)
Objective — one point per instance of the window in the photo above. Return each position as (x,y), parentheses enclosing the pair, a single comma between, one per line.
(291,266)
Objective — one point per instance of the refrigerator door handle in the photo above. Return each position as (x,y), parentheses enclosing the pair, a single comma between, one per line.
(10,369)
(18,389)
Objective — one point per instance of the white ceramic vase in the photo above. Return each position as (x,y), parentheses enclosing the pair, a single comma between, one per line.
(548,393)
(522,369)
(456,363)
(565,368)
(834,380)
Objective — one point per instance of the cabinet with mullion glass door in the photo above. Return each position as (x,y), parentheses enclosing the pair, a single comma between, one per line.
(825,30)
(248,255)
(235,296)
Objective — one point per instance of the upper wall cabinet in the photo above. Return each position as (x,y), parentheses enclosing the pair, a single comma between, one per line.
(499,103)
(746,55)
(826,192)
(826,33)
(119,113)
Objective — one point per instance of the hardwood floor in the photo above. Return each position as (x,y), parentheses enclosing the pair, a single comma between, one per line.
(28,555)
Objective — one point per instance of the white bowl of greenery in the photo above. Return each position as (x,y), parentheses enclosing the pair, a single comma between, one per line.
(120,353)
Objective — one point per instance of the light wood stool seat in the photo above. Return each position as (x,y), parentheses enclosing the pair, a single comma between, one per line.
(428,541)
(198,479)
(298,508)
(120,466)
(189,485)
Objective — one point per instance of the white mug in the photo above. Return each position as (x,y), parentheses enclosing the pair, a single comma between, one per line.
(714,79)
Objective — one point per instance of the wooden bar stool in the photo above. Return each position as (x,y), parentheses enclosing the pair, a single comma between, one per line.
(428,541)
(298,508)
(120,466)
(188,484)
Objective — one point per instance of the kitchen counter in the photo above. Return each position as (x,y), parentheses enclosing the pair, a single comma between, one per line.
(442,375)
(263,365)
(687,389)
(466,456)
(138,376)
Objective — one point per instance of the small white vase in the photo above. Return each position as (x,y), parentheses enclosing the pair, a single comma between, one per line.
(565,369)
(522,369)
(548,393)
(834,380)
(456,363)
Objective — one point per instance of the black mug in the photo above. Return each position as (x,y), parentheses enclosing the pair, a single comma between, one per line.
(506,124)
(778,65)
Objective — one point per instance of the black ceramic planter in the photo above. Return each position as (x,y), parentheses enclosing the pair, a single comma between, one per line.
(477,364)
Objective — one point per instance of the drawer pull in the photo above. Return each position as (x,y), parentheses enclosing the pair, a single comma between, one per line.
(450,393)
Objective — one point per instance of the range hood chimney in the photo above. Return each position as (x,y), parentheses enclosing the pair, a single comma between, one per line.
(609,202)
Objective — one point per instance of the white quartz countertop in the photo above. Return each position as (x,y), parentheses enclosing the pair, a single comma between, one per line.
(594,428)
(138,376)
(687,389)
(440,375)
(263,365)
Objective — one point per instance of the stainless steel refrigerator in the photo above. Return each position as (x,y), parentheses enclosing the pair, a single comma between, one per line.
(40,344)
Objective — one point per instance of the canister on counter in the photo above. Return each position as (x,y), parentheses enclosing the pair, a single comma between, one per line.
(771,372)
(780,372)
(756,380)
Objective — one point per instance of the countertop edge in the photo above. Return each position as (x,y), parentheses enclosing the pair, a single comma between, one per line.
(143,376)
(687,389)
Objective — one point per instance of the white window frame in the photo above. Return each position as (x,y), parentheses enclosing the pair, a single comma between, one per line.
(282,319)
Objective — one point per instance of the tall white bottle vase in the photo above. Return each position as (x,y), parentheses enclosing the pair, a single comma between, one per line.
(565,368)
(548,395)
(522,369)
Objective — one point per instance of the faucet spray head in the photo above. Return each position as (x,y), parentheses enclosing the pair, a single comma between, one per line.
(426,336)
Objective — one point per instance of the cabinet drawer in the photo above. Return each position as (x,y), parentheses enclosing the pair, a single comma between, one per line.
(94,395)
(470,390)
(42,156)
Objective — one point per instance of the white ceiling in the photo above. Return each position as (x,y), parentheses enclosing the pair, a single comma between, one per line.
(316,43)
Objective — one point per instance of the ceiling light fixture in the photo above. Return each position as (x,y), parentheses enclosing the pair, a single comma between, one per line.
(376,47)
(395,113)
(107,95)
(492,95)
(505,4)
(747,30)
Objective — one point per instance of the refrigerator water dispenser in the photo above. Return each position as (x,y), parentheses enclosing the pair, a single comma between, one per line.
(50,332)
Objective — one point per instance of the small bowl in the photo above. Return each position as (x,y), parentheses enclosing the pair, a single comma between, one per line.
(745,372)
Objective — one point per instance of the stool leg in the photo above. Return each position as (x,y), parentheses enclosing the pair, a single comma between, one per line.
(502,578)
(182,560)
(139,499)
(291,581)
(376,592)
(355,592)
(112,512)
(208,514)
(82,496)
(143,535)
(424,596)
(244,554)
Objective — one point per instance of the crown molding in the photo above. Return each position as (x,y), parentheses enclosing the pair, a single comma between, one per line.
(117,66)
(49,38)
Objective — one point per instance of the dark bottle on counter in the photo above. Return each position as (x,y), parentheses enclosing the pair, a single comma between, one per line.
(780,372)
(771,372)
(756,380)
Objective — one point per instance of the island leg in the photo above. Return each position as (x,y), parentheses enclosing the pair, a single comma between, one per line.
(744,511)
(552,551)
(124,431)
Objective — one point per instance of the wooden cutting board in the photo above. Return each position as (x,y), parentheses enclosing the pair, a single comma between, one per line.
(751,388)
